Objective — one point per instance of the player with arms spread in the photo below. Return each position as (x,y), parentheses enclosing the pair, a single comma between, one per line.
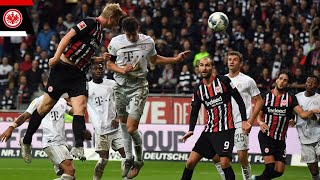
(128,57)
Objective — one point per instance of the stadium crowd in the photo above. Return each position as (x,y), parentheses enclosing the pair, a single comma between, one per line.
(272,35)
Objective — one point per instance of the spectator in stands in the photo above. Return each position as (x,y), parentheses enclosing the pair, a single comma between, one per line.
(258,67)
(185,80)
(196,76)
(202,53)
(69,23)
(7,101)
(153,77)
(34,76)
(43,61)
(264,81)
(83,12)
(26,63)
(309,45)
(60,27)
(313,57)
(168,81)
(44,37)
(298,81)
(21,52)
(5,69)
(35,21)
(14,76)
(23,91)
(186,45)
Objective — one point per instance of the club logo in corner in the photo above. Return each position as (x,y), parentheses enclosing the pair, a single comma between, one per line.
(12,18)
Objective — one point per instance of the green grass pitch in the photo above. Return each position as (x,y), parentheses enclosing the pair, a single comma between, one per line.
(41,169)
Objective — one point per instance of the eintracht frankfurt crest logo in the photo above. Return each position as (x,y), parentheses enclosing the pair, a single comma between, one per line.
(12,18)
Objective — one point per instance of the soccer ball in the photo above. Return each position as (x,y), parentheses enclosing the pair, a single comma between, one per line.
(218,21)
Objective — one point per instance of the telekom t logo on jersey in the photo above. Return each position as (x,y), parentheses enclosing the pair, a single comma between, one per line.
(12,18)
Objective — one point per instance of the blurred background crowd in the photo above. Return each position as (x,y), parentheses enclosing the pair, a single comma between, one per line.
(272,35)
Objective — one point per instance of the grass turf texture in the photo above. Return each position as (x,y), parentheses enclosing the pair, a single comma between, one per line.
(41,169)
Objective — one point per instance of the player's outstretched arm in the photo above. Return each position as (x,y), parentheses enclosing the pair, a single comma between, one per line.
(157,59)
(304,114)
(20,120)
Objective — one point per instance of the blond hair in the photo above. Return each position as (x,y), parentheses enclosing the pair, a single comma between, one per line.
(112,10)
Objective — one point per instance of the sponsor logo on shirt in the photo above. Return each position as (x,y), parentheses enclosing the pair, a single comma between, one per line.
(276,111)
(214,102)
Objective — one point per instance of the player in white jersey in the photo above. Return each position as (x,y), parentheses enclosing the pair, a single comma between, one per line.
(53,140)
(128,57)
(308,129)
(248,90)
(101,109)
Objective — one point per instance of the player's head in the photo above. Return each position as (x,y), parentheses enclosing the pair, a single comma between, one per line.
(283,80)
(97,71)
(312,84)
(235,60)
(112,13)
(45,77)
(206,67)
(130,27)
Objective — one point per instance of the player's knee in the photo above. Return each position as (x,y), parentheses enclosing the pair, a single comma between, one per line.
(224,162)
(190,164)
(243,159)
(216,159)
(104,154)
(44,109)
(132,129)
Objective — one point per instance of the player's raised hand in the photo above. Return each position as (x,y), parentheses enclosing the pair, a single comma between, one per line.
(181,56)
(186,136)
(6,135)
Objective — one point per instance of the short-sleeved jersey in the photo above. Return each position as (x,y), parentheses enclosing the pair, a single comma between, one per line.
(308,129)
(84,44)
(277,113)
(101,106)
(247,88)
(137,54)
(53,123)
(216,99)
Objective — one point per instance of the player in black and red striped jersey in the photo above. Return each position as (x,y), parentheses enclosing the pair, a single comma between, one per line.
(273,119)
(67,74)
(214,92)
